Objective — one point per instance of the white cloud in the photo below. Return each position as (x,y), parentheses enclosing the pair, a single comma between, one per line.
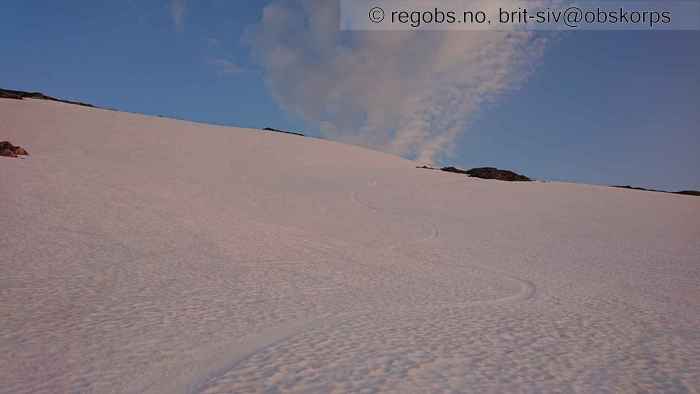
(177,11)
(410,93)
(226,66)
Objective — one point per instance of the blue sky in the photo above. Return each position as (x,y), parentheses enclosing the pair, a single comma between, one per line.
(597,107)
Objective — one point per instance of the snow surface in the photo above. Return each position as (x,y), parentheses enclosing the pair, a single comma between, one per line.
(140,254)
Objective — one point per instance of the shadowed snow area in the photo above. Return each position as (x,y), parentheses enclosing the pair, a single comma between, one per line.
(140,254)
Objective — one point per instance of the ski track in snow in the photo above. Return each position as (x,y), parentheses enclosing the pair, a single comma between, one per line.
(158,256)
(266,342)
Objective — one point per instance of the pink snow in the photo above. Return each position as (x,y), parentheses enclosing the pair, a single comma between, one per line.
(141,254)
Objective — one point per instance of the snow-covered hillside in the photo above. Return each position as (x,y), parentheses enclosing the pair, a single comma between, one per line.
(140,254)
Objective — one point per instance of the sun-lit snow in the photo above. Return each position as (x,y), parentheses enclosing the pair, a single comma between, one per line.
(140,254)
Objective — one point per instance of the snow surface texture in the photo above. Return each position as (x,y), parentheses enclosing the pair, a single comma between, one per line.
(140,254)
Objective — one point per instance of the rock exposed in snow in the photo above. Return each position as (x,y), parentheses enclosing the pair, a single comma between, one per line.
(282,131)
(490,173)
(19,95)
(643,189)
(9,150)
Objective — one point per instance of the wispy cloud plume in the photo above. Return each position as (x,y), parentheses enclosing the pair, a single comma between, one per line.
(177,11)
(225,66)
(410,93)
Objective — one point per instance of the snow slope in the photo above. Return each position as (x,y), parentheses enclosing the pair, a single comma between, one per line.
(140,254)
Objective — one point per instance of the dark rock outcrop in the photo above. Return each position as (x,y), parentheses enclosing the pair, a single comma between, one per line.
(9,150)
(689,192)
(282,131)
(639,188)
(495,173)
(490,173)
(455,170)
(20,95)
(8,95)
(684,192)
(484,173)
